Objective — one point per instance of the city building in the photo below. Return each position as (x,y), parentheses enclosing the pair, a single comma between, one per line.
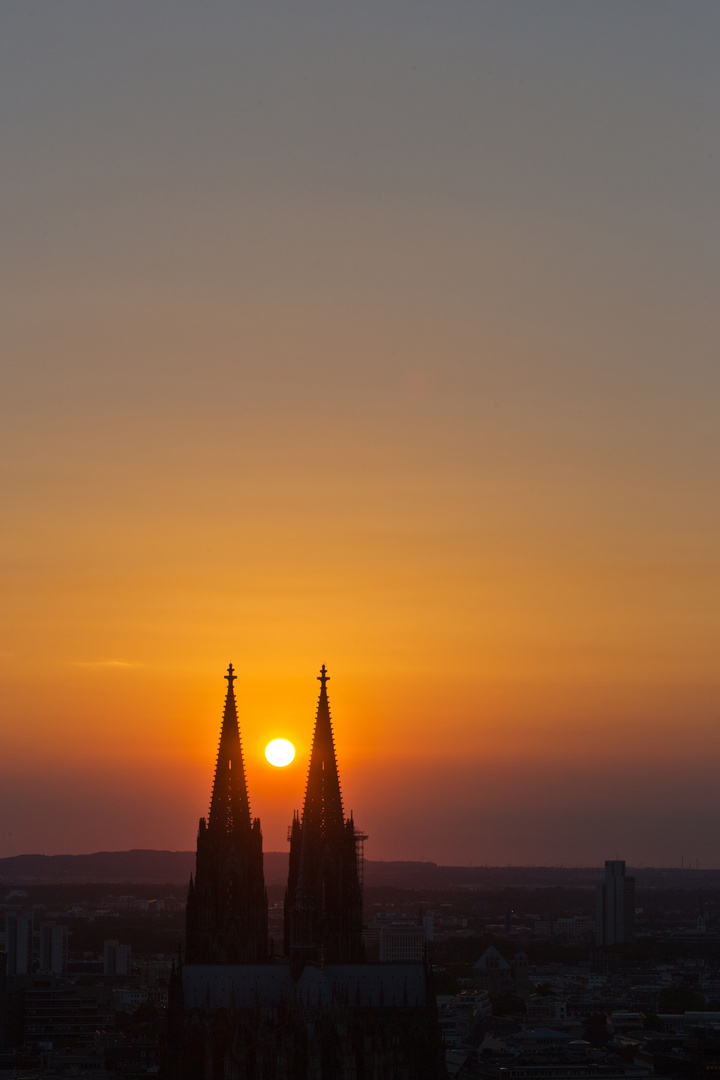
(492,972)
(401,943)
(116,958)
(577,926)
(19,943)
(398,937)
(53,949)
(61,1015)
(615,906)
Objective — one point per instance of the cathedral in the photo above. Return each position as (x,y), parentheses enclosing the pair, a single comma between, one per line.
(319,1011)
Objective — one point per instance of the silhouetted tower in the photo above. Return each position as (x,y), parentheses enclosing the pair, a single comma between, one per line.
(227,904)
(323,902)
(615,905)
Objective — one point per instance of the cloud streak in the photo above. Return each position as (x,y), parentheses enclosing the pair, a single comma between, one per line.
(107,663)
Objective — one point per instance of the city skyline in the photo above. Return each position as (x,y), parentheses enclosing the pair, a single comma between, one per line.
(380,339)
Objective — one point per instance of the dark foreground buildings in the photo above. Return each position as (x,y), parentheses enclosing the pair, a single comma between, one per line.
(319,1012)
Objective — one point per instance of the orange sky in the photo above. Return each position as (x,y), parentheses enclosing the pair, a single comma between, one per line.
(385,340)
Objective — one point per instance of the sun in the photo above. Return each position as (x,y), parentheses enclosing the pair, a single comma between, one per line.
(280,752)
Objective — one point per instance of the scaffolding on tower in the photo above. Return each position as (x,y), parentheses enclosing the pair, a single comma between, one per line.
(360,838)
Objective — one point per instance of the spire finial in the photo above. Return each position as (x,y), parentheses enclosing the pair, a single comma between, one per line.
(323,677)
(231,676)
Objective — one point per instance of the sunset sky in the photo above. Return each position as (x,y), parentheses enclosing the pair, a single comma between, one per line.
(379,335)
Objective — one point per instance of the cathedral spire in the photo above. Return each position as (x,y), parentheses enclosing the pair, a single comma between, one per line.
(229,803)
(323,902)
(323,810)
(227,905)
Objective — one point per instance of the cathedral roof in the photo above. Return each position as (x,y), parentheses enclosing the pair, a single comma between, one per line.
(357,985)
(491,958)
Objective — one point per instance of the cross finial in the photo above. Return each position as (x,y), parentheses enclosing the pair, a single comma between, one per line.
(231,676)
(323,677)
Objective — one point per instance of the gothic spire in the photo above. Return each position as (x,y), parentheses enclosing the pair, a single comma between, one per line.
(323,901)
(229,804)
(323,810)
(226,915)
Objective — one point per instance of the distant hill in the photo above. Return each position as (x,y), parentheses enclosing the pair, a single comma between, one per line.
(146,867)
(139,867)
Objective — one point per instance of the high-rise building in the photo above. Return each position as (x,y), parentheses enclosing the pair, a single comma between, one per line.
(323,902)
(116,958)
(53,944)
(227,903)
(19,942)
(399,944)
(615,906)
